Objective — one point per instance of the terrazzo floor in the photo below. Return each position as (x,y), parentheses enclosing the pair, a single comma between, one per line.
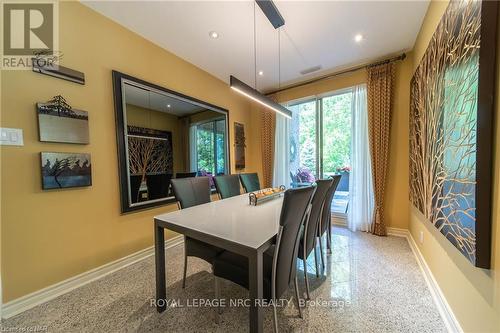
(371,284)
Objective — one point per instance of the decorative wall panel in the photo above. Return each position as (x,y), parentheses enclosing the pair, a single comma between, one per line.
(451,112)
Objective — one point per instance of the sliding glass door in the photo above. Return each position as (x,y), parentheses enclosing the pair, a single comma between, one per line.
(320,142)
(336,144)
(304,142)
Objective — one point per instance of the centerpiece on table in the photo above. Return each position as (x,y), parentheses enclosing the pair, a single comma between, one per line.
(266,194)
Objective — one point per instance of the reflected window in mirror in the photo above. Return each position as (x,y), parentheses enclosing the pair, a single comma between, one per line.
(163,135)
(207,148)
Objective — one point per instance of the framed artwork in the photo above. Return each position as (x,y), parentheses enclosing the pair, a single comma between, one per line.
(64,170)
(239,146)
(451,112)
(151,163)
(59,122)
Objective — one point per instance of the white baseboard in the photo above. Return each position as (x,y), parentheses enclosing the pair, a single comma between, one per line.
(29,301)
(451,322)
(399,232)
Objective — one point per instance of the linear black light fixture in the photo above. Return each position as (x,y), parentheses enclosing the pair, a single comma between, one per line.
(271,12)
(239,86)
(253,94)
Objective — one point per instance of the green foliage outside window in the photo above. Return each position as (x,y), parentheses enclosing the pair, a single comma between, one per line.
(336,133)
(205,147)
(307,136)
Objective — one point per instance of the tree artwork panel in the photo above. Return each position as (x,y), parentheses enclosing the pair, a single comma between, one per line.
(64,170)
(59,122)
(450,166)
(150,163)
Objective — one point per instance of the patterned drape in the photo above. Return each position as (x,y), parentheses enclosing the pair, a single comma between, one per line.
(380,100)
(268,124)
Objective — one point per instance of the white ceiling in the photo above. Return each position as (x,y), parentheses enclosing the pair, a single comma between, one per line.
(315,33)
(159,102)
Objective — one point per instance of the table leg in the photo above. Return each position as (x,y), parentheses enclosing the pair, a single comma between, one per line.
(161,288)
(255,279)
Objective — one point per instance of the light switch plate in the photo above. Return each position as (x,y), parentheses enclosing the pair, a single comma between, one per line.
(11,136)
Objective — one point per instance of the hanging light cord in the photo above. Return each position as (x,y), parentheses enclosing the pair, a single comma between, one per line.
(279,58)
(255,51)
(254,47)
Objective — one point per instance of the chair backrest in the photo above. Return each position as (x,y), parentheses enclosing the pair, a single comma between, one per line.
(192,191)
(185,174)
(158,185)
(322,186)
(344,181)
(327,208)
(293,214)
(250,181)
(227,186)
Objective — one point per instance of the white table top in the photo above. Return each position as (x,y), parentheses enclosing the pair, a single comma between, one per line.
(233,219)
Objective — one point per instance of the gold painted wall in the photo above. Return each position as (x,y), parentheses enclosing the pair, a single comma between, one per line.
(49,236)
(472,293)
(396,211)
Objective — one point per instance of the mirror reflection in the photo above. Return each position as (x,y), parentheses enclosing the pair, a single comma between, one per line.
(168,137)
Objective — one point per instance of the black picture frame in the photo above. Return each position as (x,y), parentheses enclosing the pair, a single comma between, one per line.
(118,78)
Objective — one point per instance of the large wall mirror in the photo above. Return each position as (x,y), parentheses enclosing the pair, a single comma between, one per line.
(162,135)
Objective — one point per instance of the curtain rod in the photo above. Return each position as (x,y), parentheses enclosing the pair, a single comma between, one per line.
(349,70)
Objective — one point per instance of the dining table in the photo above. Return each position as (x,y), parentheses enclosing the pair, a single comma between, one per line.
(231,224)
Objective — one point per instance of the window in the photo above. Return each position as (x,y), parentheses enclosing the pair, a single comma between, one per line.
(207,150)
(320,142)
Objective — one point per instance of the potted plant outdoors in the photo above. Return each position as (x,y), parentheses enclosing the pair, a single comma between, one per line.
(204,173)
(305,175)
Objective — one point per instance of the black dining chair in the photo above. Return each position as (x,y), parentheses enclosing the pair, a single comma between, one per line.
(280,260)
(191,192)
(250,182)
(185,175)
(308,240)
(326,216)
(227,186)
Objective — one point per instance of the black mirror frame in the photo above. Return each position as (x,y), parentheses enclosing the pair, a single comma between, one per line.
(120,137)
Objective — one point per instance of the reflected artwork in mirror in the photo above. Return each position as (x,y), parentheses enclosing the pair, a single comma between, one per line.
(163,135)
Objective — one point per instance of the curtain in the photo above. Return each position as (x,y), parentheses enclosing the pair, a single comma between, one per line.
(380,99)
(268,121)
(281,175)
(361,201)
(193,149)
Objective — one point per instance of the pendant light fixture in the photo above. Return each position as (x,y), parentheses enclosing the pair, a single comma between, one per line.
(239,86)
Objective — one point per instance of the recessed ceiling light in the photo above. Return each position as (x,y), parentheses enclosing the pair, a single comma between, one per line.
(358,38)
(213,34)
(261,73)
(168,105)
